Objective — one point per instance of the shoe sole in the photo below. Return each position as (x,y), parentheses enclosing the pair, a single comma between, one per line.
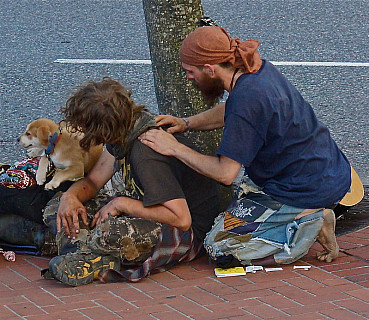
(77,269)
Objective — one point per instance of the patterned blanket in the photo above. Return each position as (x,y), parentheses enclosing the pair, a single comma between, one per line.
(22,174)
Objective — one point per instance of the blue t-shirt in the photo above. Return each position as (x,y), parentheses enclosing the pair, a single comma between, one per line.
(274,133)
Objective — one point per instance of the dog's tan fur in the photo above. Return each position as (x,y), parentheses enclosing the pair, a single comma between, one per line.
(70,160)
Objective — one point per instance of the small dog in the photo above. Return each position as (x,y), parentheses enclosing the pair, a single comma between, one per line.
(45,138)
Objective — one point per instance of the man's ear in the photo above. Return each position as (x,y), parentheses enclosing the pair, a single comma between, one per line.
(209,68)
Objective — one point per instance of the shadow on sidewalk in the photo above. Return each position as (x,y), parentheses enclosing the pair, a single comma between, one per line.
(354,218)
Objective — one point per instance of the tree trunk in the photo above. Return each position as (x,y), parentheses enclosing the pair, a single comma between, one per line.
(168,22)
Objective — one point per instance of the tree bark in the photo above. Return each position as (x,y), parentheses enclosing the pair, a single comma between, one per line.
(168,22)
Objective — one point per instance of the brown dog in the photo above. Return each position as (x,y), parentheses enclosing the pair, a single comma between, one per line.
(45,138)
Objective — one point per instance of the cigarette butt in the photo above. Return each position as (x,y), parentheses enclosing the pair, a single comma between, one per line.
(302,267)
(273,269)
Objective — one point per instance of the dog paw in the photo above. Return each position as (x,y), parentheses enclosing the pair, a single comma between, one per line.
(40,182)
(51,185)
(40,178)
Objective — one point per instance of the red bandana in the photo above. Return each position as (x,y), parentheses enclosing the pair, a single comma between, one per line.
(213,45)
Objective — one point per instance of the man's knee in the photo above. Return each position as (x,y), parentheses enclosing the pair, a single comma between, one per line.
(133,239)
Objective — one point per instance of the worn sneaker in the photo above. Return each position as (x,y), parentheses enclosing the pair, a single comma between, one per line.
(77,268)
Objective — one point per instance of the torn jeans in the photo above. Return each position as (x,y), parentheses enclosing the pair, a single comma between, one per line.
(255,226)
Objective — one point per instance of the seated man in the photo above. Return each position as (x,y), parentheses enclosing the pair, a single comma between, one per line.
(161,219)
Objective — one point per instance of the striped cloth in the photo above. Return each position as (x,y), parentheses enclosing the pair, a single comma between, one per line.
(231,222)
(173,246)
(22,174)
(238,226)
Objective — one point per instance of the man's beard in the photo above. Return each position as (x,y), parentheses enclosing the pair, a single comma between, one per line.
(212,89)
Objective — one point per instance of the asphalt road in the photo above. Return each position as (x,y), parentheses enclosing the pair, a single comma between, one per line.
(33,34)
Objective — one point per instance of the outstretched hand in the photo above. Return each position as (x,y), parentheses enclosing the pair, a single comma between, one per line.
(160,141)
(70,208)
(177,125)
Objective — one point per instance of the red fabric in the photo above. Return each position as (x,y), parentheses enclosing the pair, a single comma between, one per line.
(22,174)
(213,45)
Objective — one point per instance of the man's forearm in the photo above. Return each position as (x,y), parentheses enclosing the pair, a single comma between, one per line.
(173,212)
(209,119)
(83,190)
(221,169)
(89,186)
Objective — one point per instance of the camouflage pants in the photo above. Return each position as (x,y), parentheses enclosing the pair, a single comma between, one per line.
(130,238)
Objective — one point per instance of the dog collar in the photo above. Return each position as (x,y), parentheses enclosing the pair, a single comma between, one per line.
(53,140)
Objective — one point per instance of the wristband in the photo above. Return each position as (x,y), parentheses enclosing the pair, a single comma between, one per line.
(187,124)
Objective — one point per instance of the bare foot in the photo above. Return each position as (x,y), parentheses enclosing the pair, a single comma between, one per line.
(327,237)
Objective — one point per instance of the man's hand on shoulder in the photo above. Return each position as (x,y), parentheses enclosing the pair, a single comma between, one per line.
(176,124)
(160,141)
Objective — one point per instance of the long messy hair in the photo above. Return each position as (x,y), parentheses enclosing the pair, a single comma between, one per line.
(103,111)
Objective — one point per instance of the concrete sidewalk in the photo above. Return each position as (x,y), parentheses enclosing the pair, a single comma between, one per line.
(338,290)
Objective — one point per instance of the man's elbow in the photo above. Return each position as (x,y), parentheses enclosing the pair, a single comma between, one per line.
(184,224)
(185,228)
(227,170)
(226,179)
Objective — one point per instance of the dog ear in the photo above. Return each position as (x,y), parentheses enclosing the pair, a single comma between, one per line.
(43,134)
